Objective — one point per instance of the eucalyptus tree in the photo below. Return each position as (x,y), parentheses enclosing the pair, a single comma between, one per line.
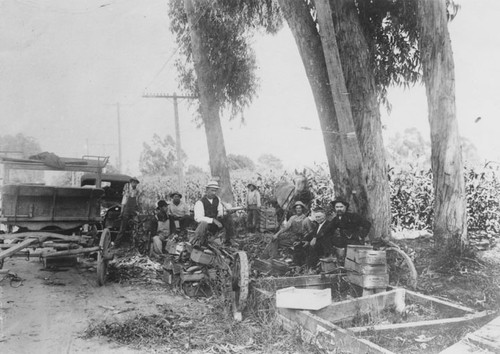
(218,64)
(450,217)
(372,45)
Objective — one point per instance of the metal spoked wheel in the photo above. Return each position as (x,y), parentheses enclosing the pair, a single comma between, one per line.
(402,271)
(103,256)
(240,280)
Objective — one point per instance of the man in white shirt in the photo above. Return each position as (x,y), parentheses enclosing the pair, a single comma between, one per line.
(178,214)
(253,207)
(209,213)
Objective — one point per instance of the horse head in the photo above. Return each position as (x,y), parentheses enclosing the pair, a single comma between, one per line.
(300,182)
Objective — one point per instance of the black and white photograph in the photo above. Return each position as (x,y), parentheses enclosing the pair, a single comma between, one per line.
(249,176)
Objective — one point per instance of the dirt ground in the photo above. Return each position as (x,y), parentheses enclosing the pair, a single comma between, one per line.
(50,310)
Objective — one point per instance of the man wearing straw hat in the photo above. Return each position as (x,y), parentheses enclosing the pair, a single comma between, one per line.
(290,235)
(209,213)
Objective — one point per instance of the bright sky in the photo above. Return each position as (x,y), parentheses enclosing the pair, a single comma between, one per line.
(65,65)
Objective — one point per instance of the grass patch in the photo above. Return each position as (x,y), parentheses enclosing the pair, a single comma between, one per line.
(214,332)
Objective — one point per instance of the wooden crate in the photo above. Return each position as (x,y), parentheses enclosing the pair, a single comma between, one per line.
(268,220)
(328,265)
(365,255)
(373,269)
(369,281)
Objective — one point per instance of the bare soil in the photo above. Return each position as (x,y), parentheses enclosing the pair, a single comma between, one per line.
(49,310)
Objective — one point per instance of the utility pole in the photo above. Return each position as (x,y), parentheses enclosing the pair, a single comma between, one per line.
(180,168)
(119,137)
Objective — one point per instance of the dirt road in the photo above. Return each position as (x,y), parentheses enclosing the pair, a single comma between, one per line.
(50,310)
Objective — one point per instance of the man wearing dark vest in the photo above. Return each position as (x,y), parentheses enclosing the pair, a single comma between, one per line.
(209,213)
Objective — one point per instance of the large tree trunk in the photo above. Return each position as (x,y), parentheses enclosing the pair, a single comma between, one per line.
(450,218)
(308,42)
(360,83)
(352,153)
(209,105)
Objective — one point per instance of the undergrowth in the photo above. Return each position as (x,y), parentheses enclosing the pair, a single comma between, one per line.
(215,332)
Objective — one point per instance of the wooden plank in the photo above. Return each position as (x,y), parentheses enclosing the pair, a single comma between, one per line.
(266,294)
(74,252)
(370,304)
(328,335)
(488,336)
(262,265)
(438,303)
(273,284)
(45,235)
(423,324)
(464,347)
(18,247)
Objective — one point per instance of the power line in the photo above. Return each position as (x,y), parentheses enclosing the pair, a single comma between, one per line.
(177,48)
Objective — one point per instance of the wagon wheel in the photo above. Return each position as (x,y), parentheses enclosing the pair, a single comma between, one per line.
(103,256)
(240,280)
(402,271)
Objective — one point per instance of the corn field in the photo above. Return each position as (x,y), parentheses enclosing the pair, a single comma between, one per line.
(411,193)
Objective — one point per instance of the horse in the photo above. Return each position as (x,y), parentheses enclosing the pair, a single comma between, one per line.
(287,193)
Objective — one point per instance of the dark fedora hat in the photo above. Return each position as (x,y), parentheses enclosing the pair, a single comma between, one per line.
(339,200)
(174,194)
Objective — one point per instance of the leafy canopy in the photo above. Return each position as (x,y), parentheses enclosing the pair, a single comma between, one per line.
(227,27)
(160,157)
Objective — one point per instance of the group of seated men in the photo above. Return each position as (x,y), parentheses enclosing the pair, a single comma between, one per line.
(305,238)
(210,214)
(308,240)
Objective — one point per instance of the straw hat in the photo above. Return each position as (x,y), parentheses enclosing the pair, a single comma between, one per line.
(213,184)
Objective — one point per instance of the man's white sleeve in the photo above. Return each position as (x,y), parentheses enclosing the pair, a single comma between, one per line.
(199,213)
(220,209)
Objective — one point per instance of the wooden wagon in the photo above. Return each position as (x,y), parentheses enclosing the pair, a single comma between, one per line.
(55,222)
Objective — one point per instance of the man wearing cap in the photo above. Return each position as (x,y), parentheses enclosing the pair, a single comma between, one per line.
(162,231)
(178,213)
(253,207)
(209,213)
(130,206)
(291,235)
(349,228)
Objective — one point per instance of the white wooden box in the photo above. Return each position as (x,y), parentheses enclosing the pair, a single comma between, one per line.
(303,299)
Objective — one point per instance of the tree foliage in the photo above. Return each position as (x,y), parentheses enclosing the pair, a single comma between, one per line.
(410,150)
(240,162)
(160,157)
(228,26)
(271,162)
(20,144)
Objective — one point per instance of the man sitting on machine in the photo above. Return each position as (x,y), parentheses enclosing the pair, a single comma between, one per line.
(212,216)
